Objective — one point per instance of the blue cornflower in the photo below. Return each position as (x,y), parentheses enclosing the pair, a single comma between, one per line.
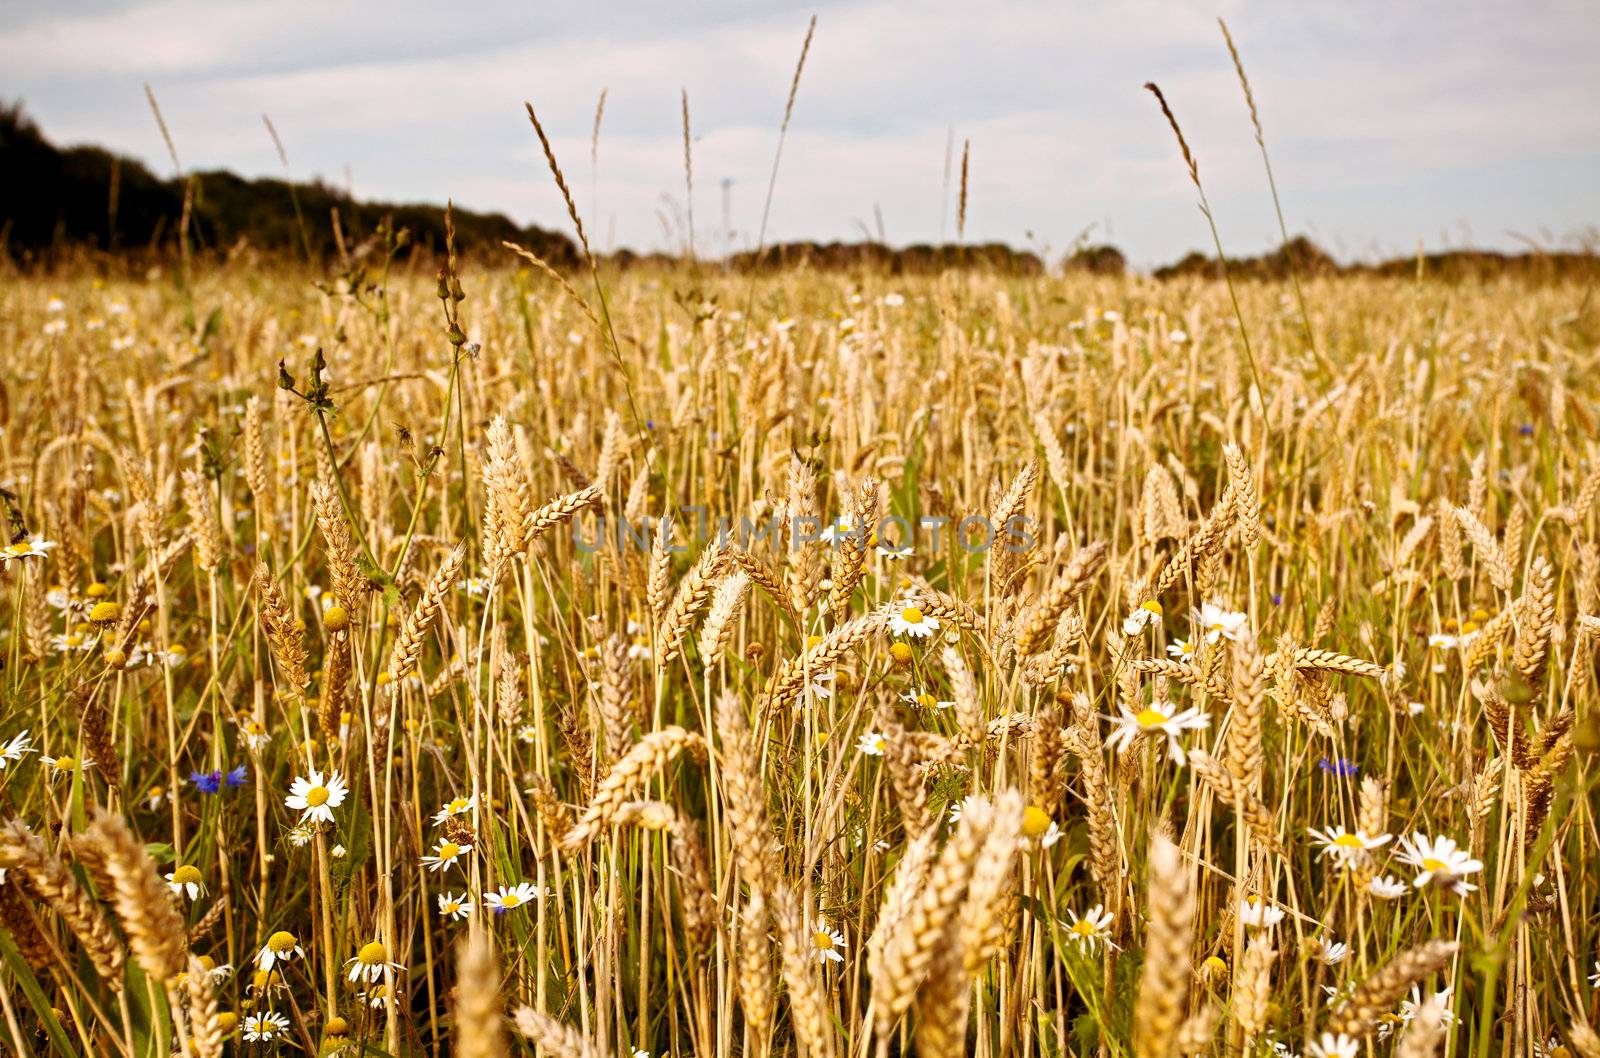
(207,782)
(1526,429)
(237,777)
(1342,768)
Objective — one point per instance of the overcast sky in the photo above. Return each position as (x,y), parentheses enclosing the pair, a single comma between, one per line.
(1453,123)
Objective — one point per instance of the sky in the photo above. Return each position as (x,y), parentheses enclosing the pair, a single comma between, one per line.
(1468,123)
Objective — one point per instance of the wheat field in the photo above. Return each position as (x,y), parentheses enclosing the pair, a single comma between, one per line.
(827,664)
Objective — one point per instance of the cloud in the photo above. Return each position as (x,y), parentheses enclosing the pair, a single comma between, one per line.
(1386,122)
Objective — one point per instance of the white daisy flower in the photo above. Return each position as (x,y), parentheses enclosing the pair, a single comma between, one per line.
(1156,719)
(925,700)
(63,767)
(1346,846)
(827,942)
(264,1026)
(316,798)
(458,806)
(1182,649)
(1090,930)
(872,743)
(1258,914)
(511,896)
(1038,826)
(186,879)
(14,750)
(911,621)
(370,963)
(444,854)
(281,947)
(1438,859)
(1331,953)
(1330,1045)
(1217,624)
(1148,615)
(34,547)
(1388,887)
(453,906)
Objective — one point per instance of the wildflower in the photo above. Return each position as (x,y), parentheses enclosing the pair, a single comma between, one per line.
(255,735)
(370,963)
(69,765)
(1331,953)
(1258,914)
(1091,929)
(1409,1008)
(1037,824)
(444,854)
(1329,1045)
(1347,847)
(265,1026)
(213,970)
(376,997)
(511,896)
(453,906)
(71,641)
(458,806)
(226,1021)
(236,777)
(300,834)
(1218,624)
(282,946)
(105,612)
(925,700)
(1146,616)
(186,878)
(1438,859)
(35,547)
(893,553)
(912,622)
(153,799)
(1387,887)
(336,1027)
(14,750)
(872,743)
(315,798)
(1154,720)
(1182,649)
(827,942)
(818,685)
(1340,767)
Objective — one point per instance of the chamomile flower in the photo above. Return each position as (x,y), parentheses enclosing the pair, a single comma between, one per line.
(1038,826)
(1347,847)
(281,947)
(1181,649)
(1332,952)
(1388,887)
(255,735)
(1090,930)
(1409,1008)
(1258,914)
(457,806)
(1438,859)
(453,906)
(872,743)
(1333,1045)
(265,1026)
(1148,615)
(1156,719)
(911,621)
(818,687)
(445,853)
(69,642)
(376,997)
(510,897)
(186,879)
(34,547)
(1217,624)
(925,700)
(827,942)
(370,963)
(214,970)
(65,767)
(19,746)
(316,798)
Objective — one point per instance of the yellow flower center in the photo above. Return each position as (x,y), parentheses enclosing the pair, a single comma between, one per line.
(226,1021)
(282,941)
(1349,841)
(373,954)
(926,700)
(97,590)
(66,763)
(510,900)
(822,940)
(911,615)
(1083,928)
(1149,718)
(207,962)
(19,549)
(813,642)
(1153,606)
(255,727)
(335,619)
(448,850)
(459,804)
(1431,864)
(337,1027)
(104,612)
(188,874)
(317,796)
(901,652)
(1035,821)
